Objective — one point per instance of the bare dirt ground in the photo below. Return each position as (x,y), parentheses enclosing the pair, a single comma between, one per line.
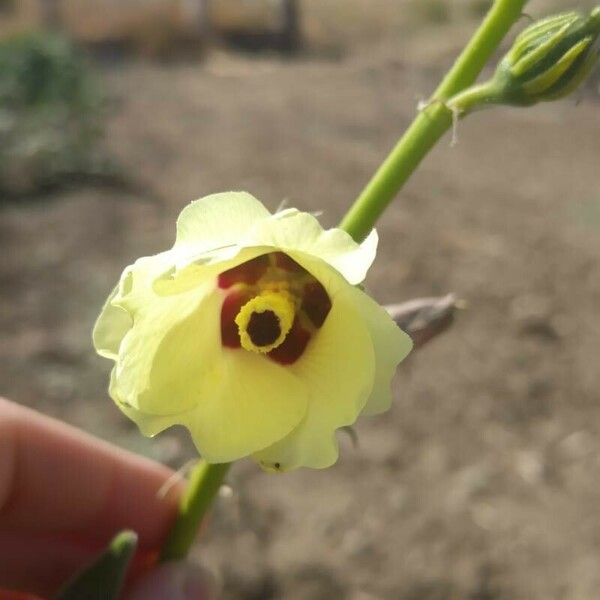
(482,483)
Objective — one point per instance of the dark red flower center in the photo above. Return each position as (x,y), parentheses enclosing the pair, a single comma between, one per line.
(254,283)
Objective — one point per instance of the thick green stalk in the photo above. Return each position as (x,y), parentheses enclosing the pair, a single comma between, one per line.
(203,485)
(432,122)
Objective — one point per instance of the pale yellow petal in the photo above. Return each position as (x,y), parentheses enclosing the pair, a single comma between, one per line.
(391,346)
(218,220)
(250,402)
(292,230)
(338,366)
(166,355)
(233,402)
(110,328)
(149,424)
(177,280)
(156,320)
(242,410)
(135,287)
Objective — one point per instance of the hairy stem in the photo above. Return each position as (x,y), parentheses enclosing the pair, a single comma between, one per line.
(203,485)
(432,122)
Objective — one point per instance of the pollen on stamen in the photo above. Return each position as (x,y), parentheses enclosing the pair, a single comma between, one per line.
(230,335)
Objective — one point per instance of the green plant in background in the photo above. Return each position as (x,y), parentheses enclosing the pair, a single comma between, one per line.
(51,113)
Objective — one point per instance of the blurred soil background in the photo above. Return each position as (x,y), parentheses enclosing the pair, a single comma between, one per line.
(483,482)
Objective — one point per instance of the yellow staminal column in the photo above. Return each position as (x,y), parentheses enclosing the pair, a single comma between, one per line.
(265,321)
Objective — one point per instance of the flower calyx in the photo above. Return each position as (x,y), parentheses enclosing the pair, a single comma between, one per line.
(548,60)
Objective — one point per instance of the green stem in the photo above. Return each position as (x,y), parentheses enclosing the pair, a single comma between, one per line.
(476,97)
(431,123)
(203,486)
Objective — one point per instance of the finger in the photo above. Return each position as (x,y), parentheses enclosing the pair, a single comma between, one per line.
(42,565)
(64,494)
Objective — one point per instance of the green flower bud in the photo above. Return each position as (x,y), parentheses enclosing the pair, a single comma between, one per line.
(549,59)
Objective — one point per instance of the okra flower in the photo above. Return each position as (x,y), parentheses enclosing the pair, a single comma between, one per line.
(252,334)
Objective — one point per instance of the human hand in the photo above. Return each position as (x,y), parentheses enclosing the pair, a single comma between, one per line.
(64,494)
